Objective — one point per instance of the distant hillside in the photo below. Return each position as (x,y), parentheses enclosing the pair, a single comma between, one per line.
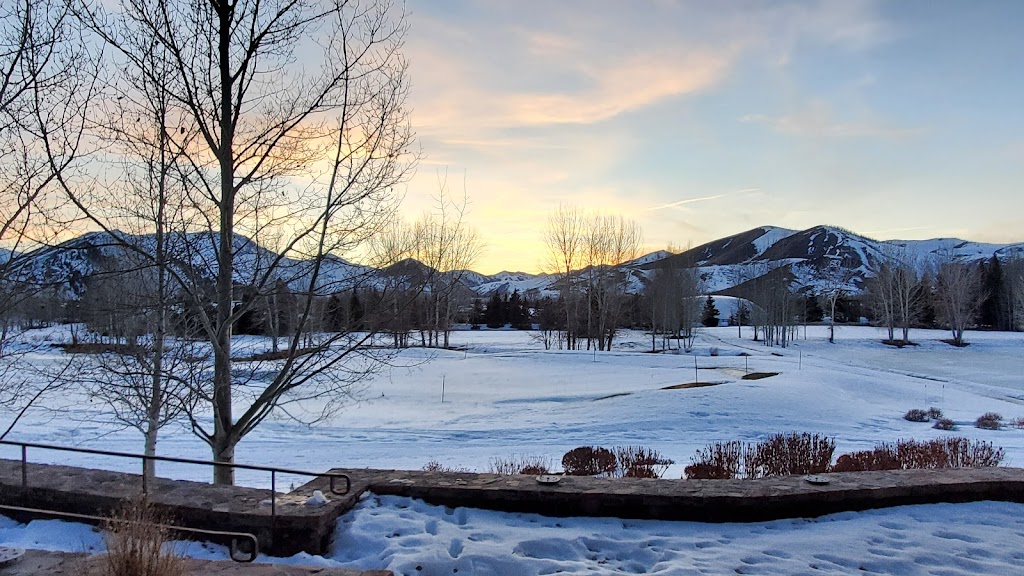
(723,263)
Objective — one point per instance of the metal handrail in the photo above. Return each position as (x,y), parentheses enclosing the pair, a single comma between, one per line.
(331,476)
(233,549)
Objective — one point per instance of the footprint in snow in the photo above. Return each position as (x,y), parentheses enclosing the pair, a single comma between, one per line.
(455,548)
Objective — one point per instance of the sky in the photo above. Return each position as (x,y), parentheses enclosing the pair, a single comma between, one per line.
(899,119)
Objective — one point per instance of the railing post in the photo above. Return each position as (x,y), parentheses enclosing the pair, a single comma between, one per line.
(24,466)
(273,506)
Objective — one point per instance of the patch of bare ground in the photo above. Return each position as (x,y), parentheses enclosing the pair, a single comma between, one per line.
(899,343)
(759,375)
(97,348)
(691,385)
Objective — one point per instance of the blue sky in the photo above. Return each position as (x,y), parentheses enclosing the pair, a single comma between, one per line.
(899,119)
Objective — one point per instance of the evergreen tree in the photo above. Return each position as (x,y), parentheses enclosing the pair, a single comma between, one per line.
(478,316)
(518,312)
(335,314)
(812,310)
(709,317)
(493,315)
(992,309)
(355,311)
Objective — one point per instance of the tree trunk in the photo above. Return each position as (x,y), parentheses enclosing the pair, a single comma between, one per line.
(223,444)
(149,467)
(223,451)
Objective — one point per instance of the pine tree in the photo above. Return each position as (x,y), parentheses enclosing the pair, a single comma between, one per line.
(355,311)
(709,317)
(478,317)
(335,314)
(493,315)
(992,314)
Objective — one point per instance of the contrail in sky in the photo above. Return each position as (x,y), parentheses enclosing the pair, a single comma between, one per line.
(692,200)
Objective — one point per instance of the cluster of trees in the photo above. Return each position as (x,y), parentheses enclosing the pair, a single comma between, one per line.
(950,293)
(592,300)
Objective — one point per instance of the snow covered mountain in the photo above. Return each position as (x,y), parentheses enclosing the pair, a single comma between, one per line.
(69,265)
(722,263)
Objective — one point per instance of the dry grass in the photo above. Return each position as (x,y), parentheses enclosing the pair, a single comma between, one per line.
(135,537)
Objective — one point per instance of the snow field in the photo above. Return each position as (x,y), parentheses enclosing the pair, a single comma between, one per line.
(504,395)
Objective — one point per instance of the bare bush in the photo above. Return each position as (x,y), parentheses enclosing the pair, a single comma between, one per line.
(717,461)
(944,424)
(435,466)
(135,538)
(989,421)
(641,462)
(935,413)
(866,460)
(520,464)
(789,454)
(916,415)
(953,452)
(589,461)
(779,455)
(1017,423)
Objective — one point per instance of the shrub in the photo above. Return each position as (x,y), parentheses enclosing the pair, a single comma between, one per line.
(779,455)
(135,537)
(718,461)
(945,424)
(1017,423)
(866,460)
(789,454)
(518,464)
(640,462)
(989,421)
(952,452)
(934,413)
(435,466)
(589,461)
(916,415)
(713,351)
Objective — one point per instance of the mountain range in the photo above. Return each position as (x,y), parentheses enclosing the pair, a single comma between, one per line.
(722,264)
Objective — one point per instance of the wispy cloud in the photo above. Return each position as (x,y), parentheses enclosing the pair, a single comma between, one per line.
(678,203)
(818,121)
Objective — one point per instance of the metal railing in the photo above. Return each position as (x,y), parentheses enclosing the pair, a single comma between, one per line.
(331,476)
(234,550)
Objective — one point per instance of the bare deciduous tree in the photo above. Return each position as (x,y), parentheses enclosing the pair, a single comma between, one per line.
(610,241)
(834,278)
(46,82)
(564,238)
(958,294)
(584,252)
(301,134)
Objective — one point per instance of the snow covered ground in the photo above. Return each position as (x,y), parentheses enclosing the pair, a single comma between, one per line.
(413,538)
(504,395)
